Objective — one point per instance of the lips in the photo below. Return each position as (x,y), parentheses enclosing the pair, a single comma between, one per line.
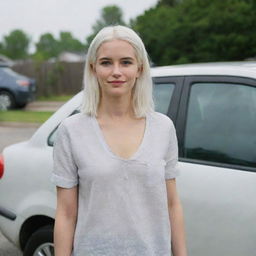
(116,82)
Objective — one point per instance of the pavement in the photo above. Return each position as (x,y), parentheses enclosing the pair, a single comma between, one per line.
(44,105)
(14,133)
(19,124)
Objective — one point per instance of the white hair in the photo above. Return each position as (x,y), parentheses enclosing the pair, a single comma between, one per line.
(142,94)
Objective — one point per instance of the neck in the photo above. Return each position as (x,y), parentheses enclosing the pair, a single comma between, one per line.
(115,107)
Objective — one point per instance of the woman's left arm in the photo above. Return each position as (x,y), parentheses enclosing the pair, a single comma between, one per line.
(176,219)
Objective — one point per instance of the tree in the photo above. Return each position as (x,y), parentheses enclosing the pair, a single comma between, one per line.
(110,15)
(68,43)
(168,2)
(199,31)
(46,47)
(16,44)
(1,47)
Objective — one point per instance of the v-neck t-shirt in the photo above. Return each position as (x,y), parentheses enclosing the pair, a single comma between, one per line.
(122,203)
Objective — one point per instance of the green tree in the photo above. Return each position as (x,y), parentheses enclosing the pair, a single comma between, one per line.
(16,44)
(46,47)
(1,48)
(168,2)
(68,43)
(199,31)
(110,15)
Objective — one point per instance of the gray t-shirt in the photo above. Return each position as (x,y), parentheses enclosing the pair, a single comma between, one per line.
(122,207)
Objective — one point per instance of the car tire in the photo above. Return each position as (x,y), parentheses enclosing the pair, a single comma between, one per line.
(7,100)
(23,105)
(40,243)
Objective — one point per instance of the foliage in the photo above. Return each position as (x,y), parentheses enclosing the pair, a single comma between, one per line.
(53,78)
(15,45)
(168,2)
(110,15)
(48,47)
(68,43)
(199,31)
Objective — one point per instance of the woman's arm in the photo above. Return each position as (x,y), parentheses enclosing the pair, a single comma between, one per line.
(65,221)
(176,220)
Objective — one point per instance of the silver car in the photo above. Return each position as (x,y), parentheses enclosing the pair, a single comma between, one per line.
(213,107)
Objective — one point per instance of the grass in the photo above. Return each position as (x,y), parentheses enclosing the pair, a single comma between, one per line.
(32,116)
(55,98)
(24,116)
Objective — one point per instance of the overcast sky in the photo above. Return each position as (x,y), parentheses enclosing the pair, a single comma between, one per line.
(36,17)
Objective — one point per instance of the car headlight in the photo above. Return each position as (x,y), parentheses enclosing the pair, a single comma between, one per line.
(24,83)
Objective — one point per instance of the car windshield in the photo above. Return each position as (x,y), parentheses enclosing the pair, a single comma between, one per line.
(10,72)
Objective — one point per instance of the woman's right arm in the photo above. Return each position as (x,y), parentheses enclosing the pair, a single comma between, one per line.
(65,220)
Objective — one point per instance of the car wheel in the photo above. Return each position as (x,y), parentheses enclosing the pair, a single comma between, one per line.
(21,105)
(40,243)
(6,100)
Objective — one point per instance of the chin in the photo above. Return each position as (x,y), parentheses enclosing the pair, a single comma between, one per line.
(118,92)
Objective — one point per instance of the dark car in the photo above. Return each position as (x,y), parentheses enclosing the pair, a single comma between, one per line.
(16,90)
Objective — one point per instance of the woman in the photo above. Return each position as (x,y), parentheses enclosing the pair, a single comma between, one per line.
(115,162)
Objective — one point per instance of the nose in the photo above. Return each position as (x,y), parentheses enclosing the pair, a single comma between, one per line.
(116,71)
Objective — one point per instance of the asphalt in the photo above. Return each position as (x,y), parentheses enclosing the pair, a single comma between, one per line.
(44,105)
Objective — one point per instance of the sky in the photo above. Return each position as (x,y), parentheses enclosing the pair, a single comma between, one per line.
(37,17)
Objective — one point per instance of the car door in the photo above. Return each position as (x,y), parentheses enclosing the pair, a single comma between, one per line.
(216,128)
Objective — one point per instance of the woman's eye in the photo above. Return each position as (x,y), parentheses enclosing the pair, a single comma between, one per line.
(105,63)
(126,62)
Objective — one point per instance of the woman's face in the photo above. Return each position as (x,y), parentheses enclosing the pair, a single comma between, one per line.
(116,68)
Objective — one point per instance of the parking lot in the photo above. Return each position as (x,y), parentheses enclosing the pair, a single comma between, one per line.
(9,134)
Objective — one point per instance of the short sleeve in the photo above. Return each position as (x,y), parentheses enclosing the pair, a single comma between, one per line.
(171,168)
(64,168)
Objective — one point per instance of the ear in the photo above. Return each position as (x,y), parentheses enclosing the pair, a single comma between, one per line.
(92,66)
(140,70)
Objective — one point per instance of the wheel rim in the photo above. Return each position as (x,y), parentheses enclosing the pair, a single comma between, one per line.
(45,249)
(5,102)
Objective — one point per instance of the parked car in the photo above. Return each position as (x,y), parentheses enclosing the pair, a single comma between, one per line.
(213,107)
(16,90)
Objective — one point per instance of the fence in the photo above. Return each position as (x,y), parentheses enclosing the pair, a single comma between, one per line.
(53,78)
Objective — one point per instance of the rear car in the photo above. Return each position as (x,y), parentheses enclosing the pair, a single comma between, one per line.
(213,108)
(16,90)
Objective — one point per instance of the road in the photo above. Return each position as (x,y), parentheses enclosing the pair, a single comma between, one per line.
(44,106)
(10,134)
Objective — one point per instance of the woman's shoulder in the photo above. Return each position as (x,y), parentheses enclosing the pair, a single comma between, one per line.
(161,119)
(76,120)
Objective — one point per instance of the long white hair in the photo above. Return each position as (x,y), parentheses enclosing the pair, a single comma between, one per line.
(142,93)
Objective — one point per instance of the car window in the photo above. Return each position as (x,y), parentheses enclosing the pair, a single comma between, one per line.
(10,72)
(162,94)
(52,136)
(221,123)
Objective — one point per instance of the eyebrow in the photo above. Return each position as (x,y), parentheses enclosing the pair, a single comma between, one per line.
(104,58)
(124,58)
